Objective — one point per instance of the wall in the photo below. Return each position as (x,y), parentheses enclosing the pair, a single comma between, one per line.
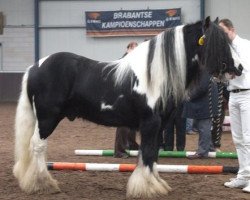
(55,14)
(17,41)
(237,11)
(62,28)
(17,45)
(10,84)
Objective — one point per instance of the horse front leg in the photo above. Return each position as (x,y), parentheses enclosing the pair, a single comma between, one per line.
(145,181)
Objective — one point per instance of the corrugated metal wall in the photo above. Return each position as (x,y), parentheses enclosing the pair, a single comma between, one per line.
(16,45)
(17,40)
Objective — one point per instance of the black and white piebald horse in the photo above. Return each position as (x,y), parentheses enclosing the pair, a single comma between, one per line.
(138,91)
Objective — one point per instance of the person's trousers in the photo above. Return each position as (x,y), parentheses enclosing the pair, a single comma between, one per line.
(189,125)
(239,111)
(179,126)
(125,139)
(205,137)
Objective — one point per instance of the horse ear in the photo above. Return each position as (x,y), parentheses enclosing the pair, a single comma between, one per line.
(207,22)
(216,21)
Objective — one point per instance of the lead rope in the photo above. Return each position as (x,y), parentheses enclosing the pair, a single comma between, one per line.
(216,121)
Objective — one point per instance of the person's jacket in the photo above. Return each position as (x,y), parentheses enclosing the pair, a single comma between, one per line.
(198,105)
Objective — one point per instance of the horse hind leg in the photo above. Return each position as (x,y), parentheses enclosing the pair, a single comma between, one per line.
(37,178)
(145,181)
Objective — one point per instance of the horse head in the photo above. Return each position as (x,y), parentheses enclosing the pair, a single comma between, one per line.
(218,55)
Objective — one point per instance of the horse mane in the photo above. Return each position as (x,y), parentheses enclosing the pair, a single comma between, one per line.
(216,40)
(159,65)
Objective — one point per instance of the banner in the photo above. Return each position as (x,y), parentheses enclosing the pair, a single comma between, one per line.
(131,22)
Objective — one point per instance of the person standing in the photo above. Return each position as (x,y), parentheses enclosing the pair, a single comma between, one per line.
(176,124)
(198,108)
(125,137)
(130,47)
(239,108)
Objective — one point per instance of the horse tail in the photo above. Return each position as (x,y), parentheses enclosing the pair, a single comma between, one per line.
(24,129)
(30,160)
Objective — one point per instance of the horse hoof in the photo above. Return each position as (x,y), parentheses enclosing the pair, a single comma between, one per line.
(41,188)
(41,183)
(145,184)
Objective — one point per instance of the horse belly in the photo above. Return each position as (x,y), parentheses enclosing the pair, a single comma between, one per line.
(104,115)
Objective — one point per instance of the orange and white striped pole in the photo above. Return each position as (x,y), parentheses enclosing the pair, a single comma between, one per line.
(190,169)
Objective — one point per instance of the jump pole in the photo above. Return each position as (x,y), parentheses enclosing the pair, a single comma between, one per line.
(173,154)
(190,169)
